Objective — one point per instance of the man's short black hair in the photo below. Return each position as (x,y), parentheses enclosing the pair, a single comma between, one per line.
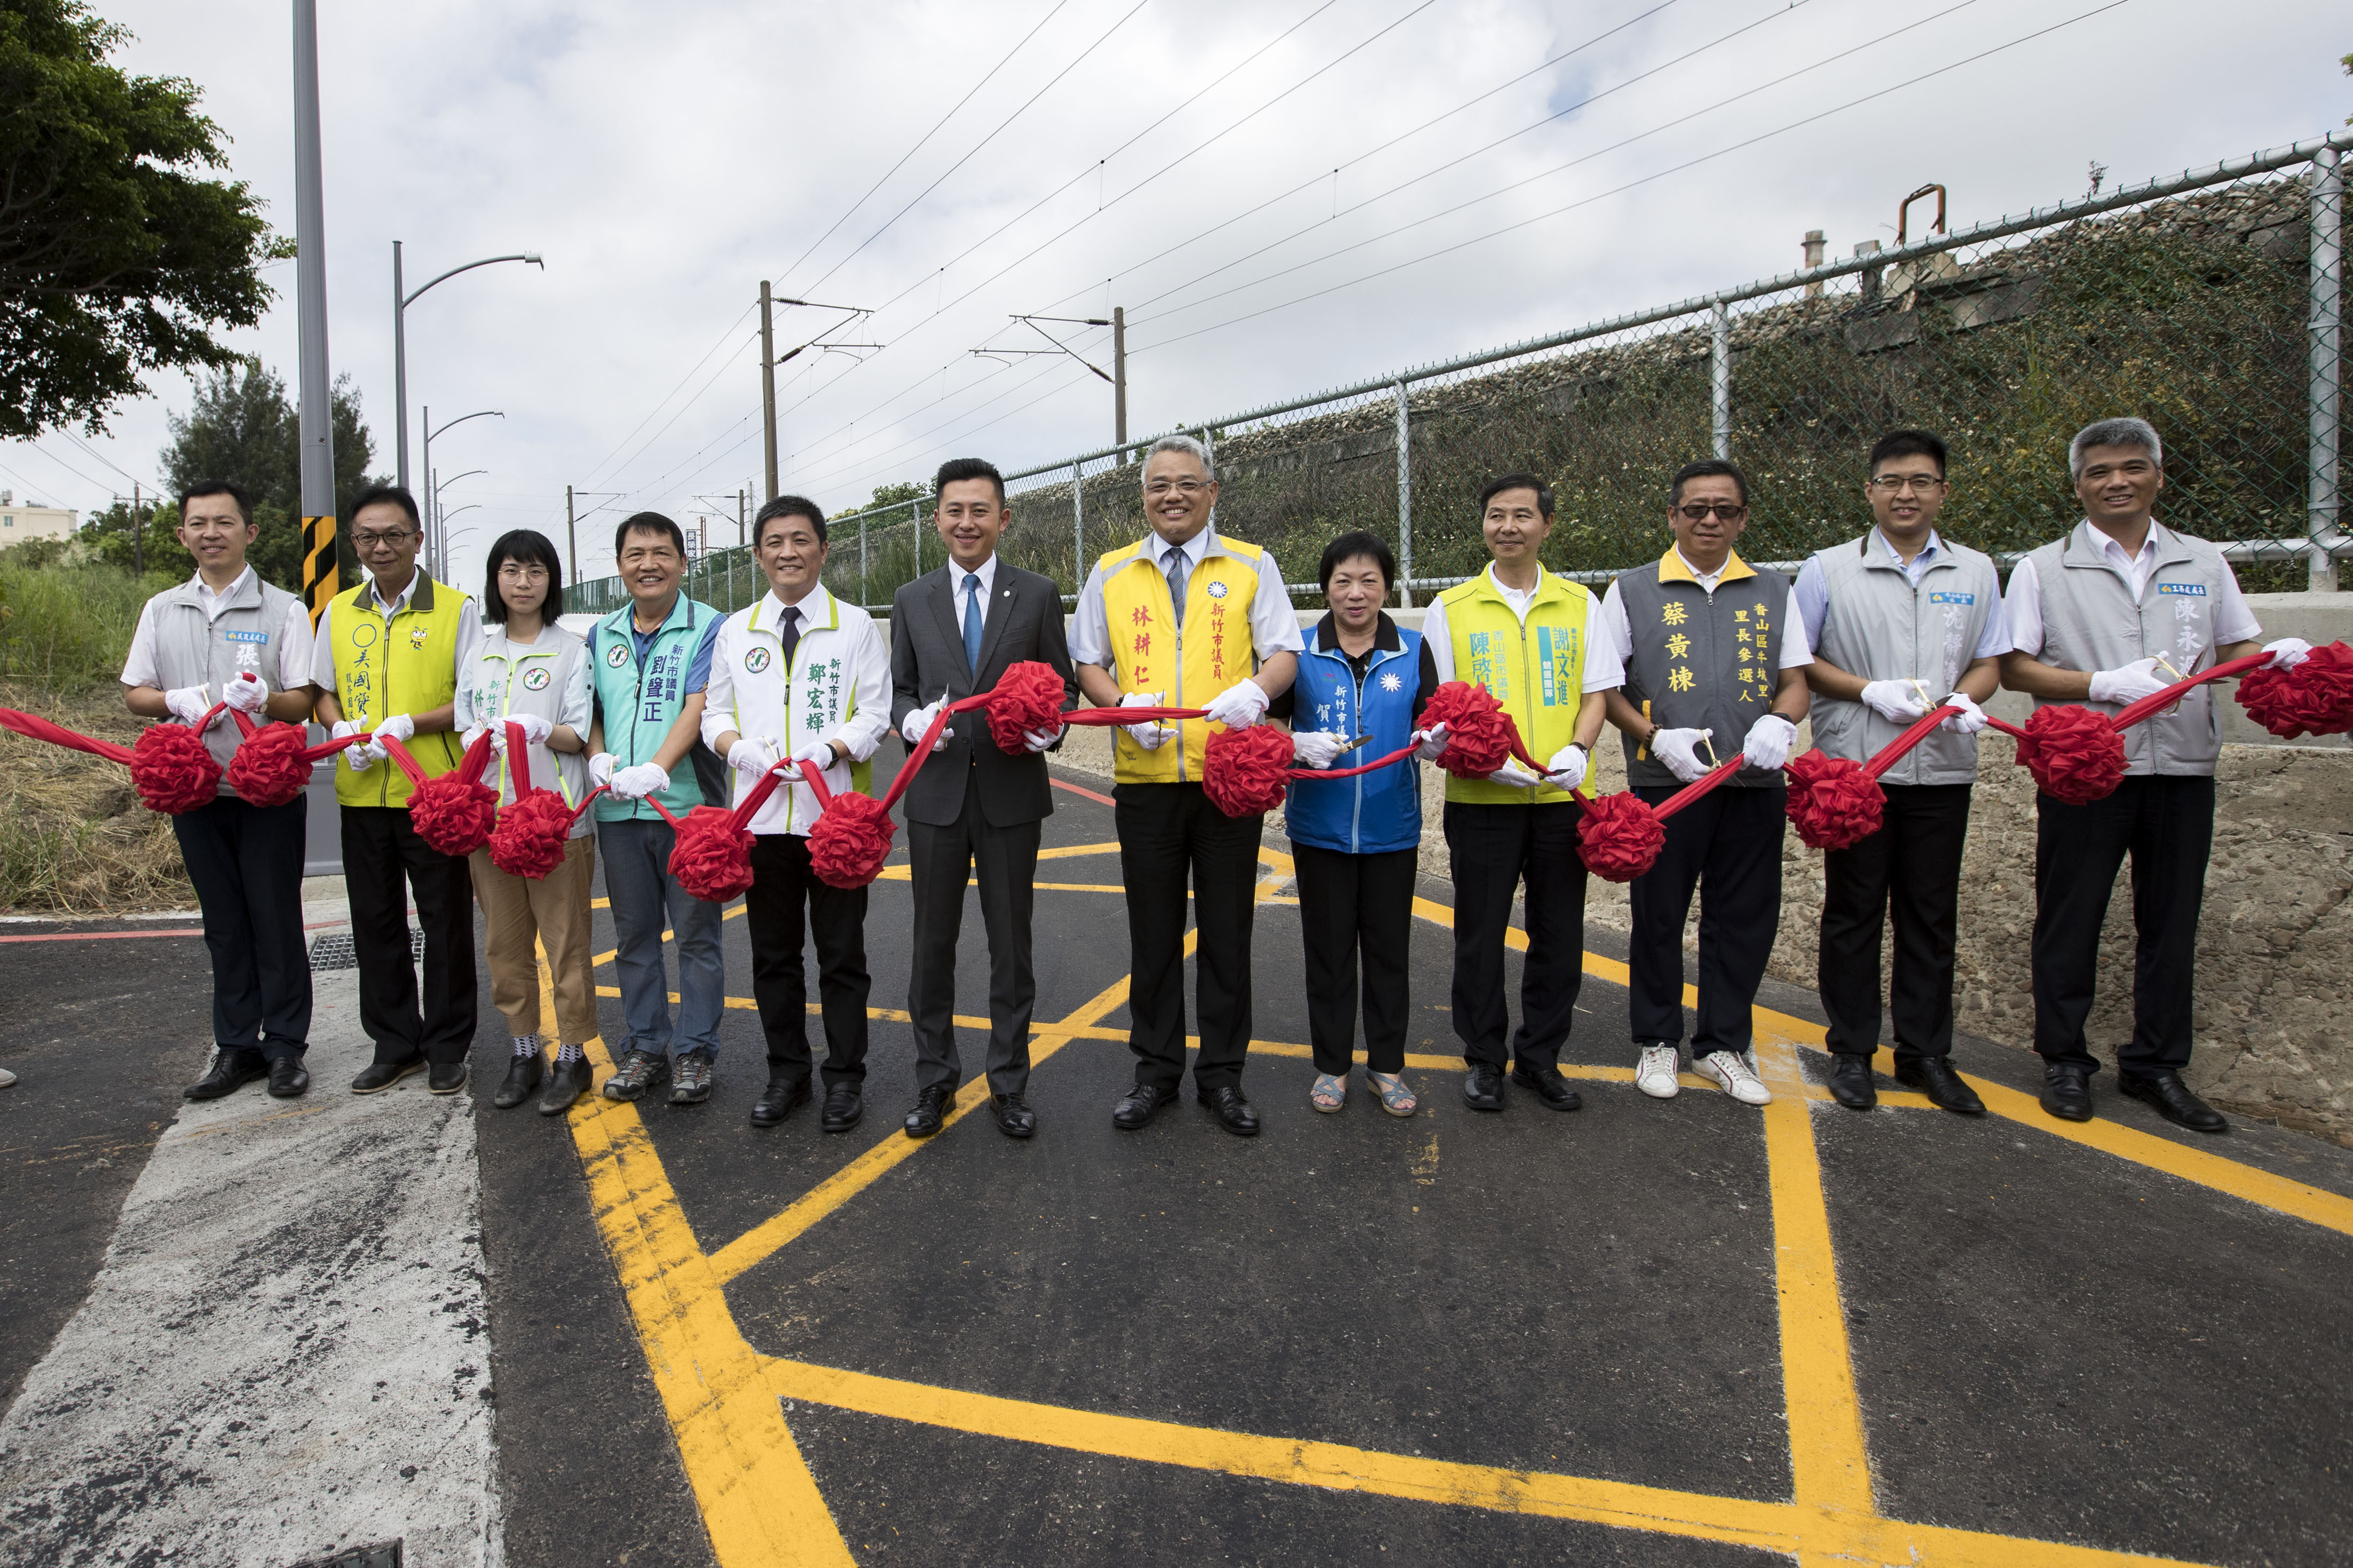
(648,522)
(1707,468)
(235,492)
(789,506)
(956,469)
(1907,444)
(527,545)
(1517,482)
(386,495)
(1350,545)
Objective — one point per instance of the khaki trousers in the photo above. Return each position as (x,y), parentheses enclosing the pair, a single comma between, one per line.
(515,909)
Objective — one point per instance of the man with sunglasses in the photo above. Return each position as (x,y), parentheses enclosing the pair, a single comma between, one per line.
(1714,670)
(1901,620)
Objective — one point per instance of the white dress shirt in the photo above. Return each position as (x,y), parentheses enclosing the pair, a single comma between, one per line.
(1274,624)
(1796,643)
(986,572)
(140,668)
(1605,666)
(2233,622)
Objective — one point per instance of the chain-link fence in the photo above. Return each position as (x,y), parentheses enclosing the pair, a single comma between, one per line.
(2209,303)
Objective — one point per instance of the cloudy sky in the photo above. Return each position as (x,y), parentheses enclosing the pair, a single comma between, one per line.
(1285,195)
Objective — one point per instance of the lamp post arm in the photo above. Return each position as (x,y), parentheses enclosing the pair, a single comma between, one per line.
(530,256)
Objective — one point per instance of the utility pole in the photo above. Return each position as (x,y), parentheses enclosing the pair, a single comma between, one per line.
(570,538)
(1119,378)
(768,382)
(742,520)
(315,421)
(138,536)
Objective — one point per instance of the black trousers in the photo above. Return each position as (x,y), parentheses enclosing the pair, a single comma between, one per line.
(1351,905)
(787,903)
(1166,833)
(941,861)
(1494,847)
(1909,869)
(384,862)
(247,864)
(2166,824)
(1728,845)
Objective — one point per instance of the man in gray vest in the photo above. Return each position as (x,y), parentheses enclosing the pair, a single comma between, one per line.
(1712,663)
(225,636)
(1899,619)
(2116,611)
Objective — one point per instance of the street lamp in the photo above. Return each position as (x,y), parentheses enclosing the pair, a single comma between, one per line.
(470,506)
(400,303)
(432,500)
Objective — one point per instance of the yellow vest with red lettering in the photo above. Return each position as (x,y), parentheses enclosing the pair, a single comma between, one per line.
(1191,663)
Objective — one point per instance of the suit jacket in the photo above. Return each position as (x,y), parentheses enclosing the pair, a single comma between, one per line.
(1025,622)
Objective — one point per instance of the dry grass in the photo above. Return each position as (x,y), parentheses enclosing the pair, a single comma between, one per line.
(73,837)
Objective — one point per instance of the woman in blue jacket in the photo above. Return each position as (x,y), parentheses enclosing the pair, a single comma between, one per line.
(1362,684)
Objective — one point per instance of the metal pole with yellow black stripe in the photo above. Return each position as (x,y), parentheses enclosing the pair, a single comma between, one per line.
(314,415)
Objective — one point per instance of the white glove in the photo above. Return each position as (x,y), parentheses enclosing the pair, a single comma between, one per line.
(752,755)
(1513,775)
(1898,701)
(920,721)
(399,726)
(1769,740)
(360,757)
(600,766)
(1969,721)
(1566,769)
(1239,706)
(1678,749)
(188,704)
(1316,748)
(1151,736)
(641,781)
(2129,684)
(466,738)
(2287,653)
(535,730)
(1430,743)
(815,756)
(246,693)
(1039,739)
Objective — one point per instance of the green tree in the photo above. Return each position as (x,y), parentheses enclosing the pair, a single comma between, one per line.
(116,257)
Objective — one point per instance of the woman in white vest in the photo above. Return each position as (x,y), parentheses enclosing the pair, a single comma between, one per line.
(531,672)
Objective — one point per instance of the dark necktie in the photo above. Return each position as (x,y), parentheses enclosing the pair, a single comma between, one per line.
(1176,559)
(972,620)
(788,632)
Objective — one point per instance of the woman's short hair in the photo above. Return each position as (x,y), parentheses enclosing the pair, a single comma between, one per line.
(1348,547)
(529,546)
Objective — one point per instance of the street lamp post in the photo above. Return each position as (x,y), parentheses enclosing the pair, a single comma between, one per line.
(400,303)
(429,433)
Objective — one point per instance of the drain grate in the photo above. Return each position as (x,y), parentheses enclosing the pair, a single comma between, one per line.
(333,951)
(382,1554)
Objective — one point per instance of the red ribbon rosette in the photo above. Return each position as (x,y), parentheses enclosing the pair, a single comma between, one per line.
(1480,736)
(1028,699)
(2315,697)
(271,765)
(1244,772)
(170,768)
(456,812)
(2075,754)
(1835,802)
(1620,837)
(535,827)
(851,835)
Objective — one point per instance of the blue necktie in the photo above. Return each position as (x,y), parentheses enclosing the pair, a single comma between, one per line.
(972,620)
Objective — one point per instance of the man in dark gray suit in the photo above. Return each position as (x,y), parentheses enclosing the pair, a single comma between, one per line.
(954,632)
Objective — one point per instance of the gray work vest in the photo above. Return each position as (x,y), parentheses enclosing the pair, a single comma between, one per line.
(1703,661)
(1880,626)
(191,650)
(2090,623)
(508,678)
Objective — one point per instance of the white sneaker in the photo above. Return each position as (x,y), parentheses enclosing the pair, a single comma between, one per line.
(1655,1072)
(1730,1072)
(6,1077)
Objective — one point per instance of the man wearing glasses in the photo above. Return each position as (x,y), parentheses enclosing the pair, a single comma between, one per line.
(1714,670)
(386,661)
(1901,620)
(1184,618)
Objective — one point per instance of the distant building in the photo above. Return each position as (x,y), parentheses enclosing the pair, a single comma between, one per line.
(31,521)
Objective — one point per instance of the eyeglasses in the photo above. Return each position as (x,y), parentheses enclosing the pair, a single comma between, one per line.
(515,572)
(1896,484)
(370,540)
(1188,488)
(1730,511)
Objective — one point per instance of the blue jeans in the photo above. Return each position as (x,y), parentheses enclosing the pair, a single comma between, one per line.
(644,898)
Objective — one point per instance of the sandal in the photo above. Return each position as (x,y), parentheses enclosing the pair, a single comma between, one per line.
(1396,1098)
(1329,1094)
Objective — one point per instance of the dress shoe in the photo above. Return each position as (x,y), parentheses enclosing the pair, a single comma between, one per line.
(931,1112)
(2067,1090)
(447,1078)
(1483,1088)
(1139,1105)
(289,1078)
(523,1073)
(378,1076)
(567,1080)
(843,1108)
(2173,1101)
(1014,1117)
(1547,1085)
(1234,1112)
(777,1101)
(233,1068)
(1850,1083)
(1945,1089)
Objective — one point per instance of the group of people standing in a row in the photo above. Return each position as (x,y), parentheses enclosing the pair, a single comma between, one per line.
(1696,655)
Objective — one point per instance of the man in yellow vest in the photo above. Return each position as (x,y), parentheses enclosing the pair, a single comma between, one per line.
(387,662)
(1184,618)
(1525,634)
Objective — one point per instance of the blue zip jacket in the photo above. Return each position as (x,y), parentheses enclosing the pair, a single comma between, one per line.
(1375,812)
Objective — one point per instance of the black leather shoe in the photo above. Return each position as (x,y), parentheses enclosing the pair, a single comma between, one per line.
(843,1108)
(447,1078)
(777,1101)
(1483,1088)
(233,1068)
(1234,1112)
(566,1081)
(1139,1105)
(1850,1083)
(1934,1077)
(378,1076)
(931,1112)
(1014,1117)
(2067,1090)
(289,1078)
(1547,1085)
(2173,1099)
(523,1074)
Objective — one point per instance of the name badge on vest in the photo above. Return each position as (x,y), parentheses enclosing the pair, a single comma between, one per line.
(1948,597)
(2184,590)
